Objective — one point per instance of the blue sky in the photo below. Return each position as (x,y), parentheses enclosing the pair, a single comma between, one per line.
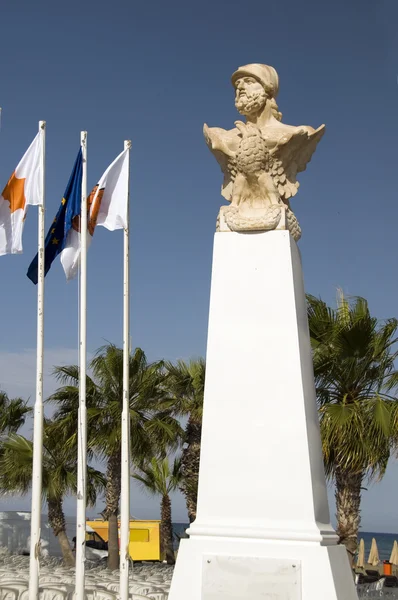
(154,72)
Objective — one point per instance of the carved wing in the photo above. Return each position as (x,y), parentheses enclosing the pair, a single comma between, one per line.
(223,144)
(291,156)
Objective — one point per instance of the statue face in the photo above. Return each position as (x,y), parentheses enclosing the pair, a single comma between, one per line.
(250,96)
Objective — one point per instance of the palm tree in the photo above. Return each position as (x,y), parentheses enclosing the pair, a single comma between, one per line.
(157,478)
(356,385)
(59,476)
(13,413)
(186,382)
(152,426)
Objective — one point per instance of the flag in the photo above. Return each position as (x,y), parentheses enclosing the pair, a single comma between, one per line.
(106,206)
(66,219)
(23,188)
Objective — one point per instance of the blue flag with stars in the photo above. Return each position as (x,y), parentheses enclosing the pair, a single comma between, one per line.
(60,227)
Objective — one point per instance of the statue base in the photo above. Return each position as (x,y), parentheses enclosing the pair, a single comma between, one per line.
(217,568)
(263,526)
(274,217)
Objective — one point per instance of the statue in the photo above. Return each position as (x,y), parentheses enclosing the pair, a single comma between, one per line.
(260,158)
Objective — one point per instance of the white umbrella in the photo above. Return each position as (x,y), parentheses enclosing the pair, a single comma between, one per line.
(361,555)
(374,559)
(394,554)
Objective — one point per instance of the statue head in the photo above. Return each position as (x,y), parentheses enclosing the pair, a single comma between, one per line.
(255,86)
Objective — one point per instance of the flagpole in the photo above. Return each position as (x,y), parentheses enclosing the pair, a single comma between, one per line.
(38,408)
(82,413)
(125,466)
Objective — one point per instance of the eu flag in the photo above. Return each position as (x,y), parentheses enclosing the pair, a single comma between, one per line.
(58,232)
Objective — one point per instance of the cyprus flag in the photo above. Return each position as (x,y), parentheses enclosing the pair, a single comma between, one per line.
(23,188)
(106,207)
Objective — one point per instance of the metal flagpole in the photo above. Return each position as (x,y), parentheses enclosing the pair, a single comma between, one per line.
(125,466)
(82,413)
(38,409)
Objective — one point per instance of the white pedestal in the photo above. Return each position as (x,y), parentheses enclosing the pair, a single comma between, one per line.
(263,526)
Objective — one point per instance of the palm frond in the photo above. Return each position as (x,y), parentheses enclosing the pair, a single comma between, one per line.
(355,378)
(13,412)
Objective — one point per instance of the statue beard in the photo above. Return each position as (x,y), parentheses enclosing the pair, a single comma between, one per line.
(247,103)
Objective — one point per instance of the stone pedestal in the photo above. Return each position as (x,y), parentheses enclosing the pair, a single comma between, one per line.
(263,526)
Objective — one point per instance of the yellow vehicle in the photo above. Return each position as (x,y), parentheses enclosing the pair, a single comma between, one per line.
(144,537)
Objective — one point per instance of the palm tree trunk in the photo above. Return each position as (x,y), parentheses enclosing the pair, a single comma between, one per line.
(112,497)
(56,518)
(166,531)
(113,543)
(190,465)
(348,501)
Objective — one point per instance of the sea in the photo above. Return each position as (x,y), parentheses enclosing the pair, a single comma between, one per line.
(15,532)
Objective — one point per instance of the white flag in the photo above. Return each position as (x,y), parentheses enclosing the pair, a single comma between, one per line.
(23,188)
(106,206)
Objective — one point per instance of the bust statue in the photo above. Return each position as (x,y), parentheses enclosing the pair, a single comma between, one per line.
(260,158)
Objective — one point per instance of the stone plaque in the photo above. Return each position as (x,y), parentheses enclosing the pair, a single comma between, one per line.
(250,578)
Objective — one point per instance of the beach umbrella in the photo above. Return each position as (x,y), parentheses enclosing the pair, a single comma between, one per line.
(374,559)
(394,554)
(361,555)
